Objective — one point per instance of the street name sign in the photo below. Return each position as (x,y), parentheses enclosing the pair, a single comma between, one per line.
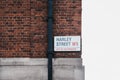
(67,43)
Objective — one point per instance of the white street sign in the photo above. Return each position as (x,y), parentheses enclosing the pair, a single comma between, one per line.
(67,43)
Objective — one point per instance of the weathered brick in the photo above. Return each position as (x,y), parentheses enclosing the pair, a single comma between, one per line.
(23,26)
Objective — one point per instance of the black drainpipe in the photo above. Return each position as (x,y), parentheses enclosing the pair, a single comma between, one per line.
(50,39)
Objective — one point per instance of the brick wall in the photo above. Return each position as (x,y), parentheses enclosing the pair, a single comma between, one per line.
(23,26)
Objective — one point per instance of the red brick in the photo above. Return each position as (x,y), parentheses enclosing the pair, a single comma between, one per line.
(23,26)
